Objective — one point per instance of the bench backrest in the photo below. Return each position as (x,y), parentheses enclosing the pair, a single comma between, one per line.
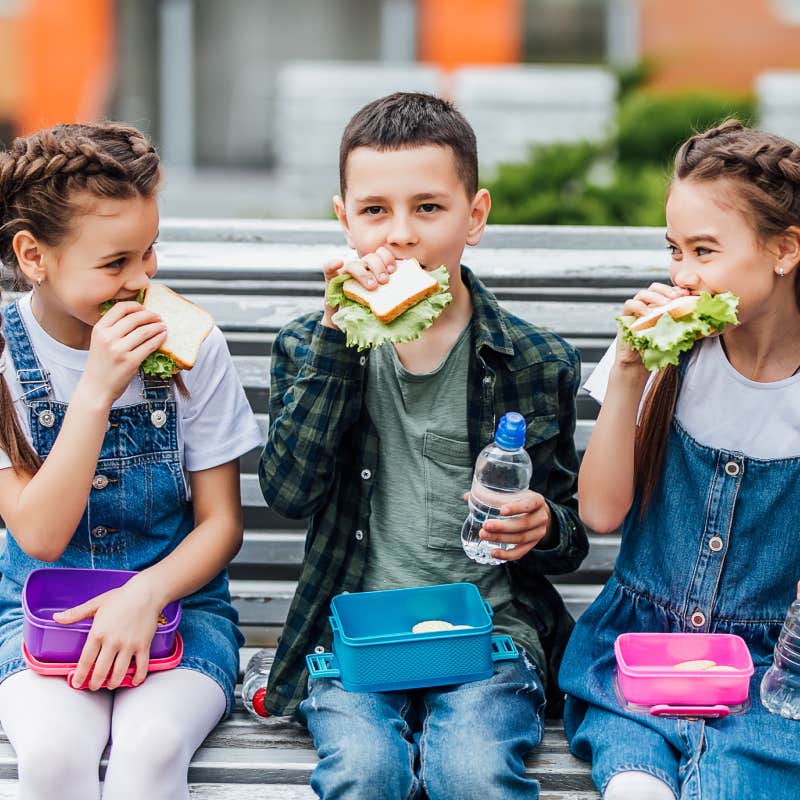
(256,276)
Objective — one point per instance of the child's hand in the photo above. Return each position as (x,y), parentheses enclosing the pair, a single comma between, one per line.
(370,271)
(125,622)
(643,302)
(124,336)
(524,531)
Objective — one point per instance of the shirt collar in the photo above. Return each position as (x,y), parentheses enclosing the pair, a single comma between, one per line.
(487,317)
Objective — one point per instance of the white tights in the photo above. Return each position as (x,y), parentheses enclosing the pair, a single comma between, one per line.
(59,735)
(637,785)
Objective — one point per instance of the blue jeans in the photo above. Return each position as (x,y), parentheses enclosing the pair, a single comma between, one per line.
(466,741)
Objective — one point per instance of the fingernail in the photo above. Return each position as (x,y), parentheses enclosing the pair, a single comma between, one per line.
(383,278)
(370,282)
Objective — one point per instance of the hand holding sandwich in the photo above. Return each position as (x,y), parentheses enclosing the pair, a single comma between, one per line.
(644,303)
(121,340)
(665,321)
(371,271)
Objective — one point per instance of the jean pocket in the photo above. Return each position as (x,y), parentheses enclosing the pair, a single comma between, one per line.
(447,468)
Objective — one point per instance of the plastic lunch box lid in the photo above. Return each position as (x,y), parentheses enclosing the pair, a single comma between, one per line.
(462,592)
(48,622)
(736,643)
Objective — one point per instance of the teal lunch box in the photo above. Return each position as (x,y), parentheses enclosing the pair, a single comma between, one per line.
(375,650)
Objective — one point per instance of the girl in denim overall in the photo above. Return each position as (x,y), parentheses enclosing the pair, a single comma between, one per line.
(704,477)
(103,468)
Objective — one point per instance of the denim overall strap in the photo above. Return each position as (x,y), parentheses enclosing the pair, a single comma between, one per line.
(34,380)
(155,389)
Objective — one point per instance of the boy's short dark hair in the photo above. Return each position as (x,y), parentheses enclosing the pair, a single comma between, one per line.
(406,119)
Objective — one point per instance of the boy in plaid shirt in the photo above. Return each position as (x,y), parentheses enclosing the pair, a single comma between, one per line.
(378,447)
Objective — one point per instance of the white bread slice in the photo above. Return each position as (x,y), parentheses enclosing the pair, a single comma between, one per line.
(677,308)
(188,325)
(407,285)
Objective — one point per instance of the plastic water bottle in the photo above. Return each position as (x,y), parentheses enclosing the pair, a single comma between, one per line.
(254,686)
(780,686)
(502,474)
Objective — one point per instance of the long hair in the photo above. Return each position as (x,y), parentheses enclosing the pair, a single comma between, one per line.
(764,171)
(40,178)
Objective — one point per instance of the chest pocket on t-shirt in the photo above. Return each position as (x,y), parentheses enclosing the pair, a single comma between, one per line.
(447,473)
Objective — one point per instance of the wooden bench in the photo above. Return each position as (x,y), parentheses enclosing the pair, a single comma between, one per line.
(256,276)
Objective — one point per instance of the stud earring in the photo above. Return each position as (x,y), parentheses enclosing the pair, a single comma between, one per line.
(781,271)
(38,281)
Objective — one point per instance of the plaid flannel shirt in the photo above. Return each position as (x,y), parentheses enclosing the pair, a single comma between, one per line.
(321,456)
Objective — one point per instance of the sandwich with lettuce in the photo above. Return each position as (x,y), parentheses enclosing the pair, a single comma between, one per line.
(396,311)
(661,335)
(188,325)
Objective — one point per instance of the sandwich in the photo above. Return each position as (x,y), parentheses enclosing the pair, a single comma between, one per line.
(662,334)
(188,325)
(396,311)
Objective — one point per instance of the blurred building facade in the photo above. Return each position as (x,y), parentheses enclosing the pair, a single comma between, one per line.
(268,84)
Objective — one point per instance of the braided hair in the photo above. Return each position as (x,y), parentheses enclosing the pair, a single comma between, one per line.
(764,170)
(41,179)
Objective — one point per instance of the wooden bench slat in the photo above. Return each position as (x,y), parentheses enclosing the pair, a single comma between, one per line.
(276,791)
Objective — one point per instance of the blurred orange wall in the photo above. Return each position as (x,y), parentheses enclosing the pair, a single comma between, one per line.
(456,32)
(65,61)
(715,43)
(9,66)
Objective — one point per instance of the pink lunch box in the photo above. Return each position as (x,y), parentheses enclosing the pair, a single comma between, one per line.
(646,675)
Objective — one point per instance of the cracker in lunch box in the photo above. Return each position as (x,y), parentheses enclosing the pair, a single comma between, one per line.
(431,625)
(697,664)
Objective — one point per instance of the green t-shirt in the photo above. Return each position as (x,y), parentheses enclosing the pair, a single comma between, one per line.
(424,468)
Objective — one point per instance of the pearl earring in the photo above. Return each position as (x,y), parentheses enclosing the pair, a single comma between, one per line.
(38,281)
(781,271)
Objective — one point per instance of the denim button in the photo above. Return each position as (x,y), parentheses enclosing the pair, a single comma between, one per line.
(366,474)
(715,544)
(362,360)
(99,482)
(698,619)
(319,649)
(732,468)
(359,535)
(99,531)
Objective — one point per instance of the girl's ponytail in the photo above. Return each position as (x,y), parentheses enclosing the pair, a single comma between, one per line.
(652,432)
(12,440)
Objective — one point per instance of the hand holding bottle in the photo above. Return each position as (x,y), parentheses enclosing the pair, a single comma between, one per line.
(506,519)
(522,524)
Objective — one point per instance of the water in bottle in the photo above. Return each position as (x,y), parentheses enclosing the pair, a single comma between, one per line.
(780,686)
(502,475)
(254,686)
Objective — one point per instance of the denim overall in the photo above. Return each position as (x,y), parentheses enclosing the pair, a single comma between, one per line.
(717,551)
(137,514)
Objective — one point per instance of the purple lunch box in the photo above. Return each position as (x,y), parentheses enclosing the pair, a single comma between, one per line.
(59,588)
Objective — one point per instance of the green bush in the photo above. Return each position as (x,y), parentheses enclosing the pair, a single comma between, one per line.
(651,128)
(618,182)
(577,184)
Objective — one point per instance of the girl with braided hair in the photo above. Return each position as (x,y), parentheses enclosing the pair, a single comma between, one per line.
(92,476)
(703,475)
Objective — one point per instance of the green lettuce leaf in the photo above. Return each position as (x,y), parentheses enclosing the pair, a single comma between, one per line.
(364,330)
(668,338)
(157,365)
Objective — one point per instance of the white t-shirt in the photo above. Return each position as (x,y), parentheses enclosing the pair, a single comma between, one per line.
(722,409)
(215,423)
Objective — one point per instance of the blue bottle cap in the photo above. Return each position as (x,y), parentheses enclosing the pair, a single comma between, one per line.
(510,431)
